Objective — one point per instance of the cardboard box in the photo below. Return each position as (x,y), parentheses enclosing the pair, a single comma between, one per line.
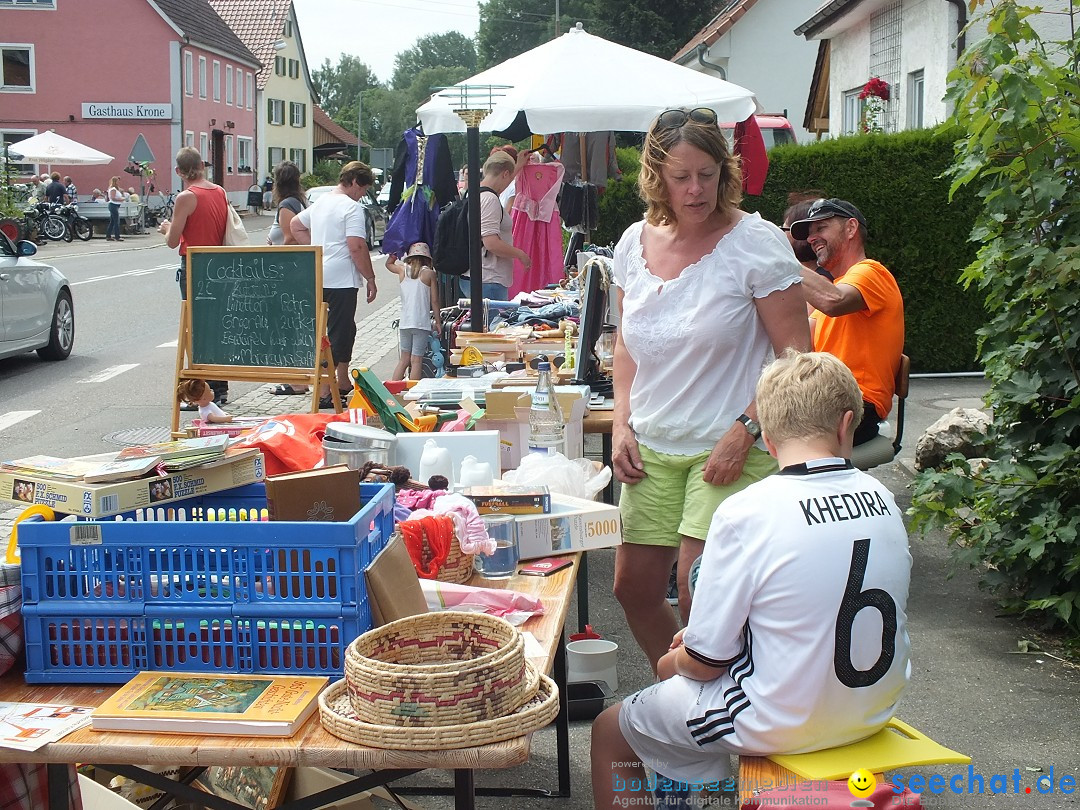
(507,411)
(393,585)
(575,524)
(508,499)
(103,500)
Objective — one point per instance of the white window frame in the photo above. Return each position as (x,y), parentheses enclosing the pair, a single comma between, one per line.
(250,90)
(19,168)
(217,80)
(17,88)
(916,112)
(243,161)
(230,164)
(851,111)
(276,114)
(286,29)
(239,88)
(189,74)
(189,138)
(204,146)
(301,164)
(202,77)
(294,68)
(228,85)
(33,5)
(294,108)
(279,65)
(270,154)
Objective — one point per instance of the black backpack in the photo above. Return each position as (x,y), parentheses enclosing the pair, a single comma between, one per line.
(451,249)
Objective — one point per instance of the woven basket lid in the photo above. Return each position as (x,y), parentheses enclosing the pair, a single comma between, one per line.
(339,718)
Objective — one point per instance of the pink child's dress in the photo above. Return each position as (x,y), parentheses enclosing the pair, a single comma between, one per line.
(536,226)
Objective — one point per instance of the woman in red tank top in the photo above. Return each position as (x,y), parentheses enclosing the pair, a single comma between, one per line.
(199,216)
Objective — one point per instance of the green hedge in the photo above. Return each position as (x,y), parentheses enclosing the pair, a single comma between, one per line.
(914,231)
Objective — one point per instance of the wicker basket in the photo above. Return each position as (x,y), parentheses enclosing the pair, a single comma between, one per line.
(340,719)
(458,567)
(438,669)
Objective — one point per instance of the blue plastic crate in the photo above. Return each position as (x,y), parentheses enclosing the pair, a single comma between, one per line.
(155,590)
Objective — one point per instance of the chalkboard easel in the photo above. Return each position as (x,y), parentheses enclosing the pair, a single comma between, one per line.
(255,314)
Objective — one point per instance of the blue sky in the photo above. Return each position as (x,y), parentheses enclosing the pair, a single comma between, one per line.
(380,28)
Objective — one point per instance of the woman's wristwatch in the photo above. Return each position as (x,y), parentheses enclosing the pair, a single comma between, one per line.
(752,427)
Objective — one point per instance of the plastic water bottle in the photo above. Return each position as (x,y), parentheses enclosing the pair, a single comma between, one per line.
(545,417)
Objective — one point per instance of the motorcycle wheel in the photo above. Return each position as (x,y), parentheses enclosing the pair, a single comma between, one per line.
(83,229)
(55,228)
(69,231)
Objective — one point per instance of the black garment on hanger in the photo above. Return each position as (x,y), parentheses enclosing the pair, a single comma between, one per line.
(445,178)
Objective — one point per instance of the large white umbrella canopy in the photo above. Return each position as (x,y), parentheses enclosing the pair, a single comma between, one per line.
(584,83)
(50,148)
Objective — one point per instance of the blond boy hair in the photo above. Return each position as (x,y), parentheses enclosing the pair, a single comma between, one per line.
(805,395)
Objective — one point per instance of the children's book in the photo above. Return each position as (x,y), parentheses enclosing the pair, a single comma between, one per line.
(180,448)
(198,703)
(121,469)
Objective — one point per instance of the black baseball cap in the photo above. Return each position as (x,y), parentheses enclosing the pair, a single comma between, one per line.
(826,209)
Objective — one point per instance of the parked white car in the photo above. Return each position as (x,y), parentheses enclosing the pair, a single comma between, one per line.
(36,312)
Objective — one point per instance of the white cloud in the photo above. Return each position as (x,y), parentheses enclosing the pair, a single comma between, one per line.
(375,31)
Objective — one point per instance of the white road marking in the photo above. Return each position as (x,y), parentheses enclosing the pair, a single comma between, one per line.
(109,373)
(14,417)
(170,345)
(138,272)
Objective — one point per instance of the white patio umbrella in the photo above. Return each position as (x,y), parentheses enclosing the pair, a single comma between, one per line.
(584,83)
(50,148)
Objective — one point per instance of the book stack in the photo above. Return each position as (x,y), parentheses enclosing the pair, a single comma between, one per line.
(180,454)
(208,703)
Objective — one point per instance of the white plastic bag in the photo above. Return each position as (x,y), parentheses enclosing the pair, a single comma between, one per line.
(577,477)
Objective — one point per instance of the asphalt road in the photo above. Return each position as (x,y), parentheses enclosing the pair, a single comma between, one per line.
(120,374)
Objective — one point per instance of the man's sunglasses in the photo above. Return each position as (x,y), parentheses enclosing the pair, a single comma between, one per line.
(673,119)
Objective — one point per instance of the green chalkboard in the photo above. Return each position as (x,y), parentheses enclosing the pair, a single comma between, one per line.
(254,306)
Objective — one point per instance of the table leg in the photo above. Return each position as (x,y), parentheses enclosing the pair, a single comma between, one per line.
(605,453)
(583,591)
(562,721)
(464,789)
(57,778)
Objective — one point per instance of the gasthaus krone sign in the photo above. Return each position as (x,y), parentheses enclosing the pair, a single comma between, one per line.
(115,109)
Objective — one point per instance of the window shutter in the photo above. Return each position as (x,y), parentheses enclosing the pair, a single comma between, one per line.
(269,111)
(303,115)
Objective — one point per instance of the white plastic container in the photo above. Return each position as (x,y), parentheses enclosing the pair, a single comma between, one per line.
(475,473)
(436,460)
(592,659)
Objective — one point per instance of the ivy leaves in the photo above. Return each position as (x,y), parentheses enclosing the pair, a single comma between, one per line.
(1018,100)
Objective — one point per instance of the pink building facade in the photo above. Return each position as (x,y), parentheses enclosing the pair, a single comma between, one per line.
(105,72)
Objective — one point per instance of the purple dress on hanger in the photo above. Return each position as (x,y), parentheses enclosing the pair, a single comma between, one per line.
(414,218)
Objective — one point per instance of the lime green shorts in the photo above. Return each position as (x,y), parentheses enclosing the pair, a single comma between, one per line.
(673,500)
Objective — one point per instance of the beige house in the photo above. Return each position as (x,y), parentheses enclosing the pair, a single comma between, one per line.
(285,96)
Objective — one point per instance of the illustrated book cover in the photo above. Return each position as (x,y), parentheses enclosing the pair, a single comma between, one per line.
(329,494)
(121,469)
(205,703)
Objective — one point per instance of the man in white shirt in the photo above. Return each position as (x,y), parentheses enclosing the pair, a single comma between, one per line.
(337,222)
(797,639)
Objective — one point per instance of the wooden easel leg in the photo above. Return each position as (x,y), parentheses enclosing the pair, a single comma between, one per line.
(181,354)
(325,354)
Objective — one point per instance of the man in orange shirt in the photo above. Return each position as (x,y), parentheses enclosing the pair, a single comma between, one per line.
(858,315)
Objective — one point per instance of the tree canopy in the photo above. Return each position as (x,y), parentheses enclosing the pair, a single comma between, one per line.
(449,50)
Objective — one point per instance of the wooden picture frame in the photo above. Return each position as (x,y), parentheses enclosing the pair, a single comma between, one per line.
(259,788)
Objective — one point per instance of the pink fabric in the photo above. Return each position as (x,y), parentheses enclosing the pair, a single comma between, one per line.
(536,227)
(472,534)
(419,498)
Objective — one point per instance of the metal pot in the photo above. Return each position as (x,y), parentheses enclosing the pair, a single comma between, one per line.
(355,445)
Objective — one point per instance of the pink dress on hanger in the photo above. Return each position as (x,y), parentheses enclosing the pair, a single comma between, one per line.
(536,226)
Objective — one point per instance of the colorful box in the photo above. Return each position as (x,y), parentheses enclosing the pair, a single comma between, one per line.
(574,524)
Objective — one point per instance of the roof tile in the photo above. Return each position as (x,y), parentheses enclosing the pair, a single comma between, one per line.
(258,23)
(203,26)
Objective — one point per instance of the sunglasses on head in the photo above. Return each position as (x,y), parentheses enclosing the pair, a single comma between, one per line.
(673,119)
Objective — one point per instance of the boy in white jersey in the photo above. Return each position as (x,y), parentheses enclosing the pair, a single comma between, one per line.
(797,637)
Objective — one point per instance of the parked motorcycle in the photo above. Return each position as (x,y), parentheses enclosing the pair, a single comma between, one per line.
(44,219)
(77,224)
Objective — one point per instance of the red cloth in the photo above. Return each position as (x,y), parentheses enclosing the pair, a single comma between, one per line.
(750,146)
(26,787)
(206,225)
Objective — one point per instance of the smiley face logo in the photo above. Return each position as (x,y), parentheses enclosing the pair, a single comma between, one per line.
(861,783)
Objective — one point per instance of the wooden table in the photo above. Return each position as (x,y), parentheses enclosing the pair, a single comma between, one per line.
(312,745)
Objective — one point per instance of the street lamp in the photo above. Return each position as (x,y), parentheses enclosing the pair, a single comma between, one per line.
(472,103)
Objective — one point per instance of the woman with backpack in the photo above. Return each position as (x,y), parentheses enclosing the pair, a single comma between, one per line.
(419,304)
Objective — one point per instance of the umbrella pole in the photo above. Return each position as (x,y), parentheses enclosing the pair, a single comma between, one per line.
(476,273)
